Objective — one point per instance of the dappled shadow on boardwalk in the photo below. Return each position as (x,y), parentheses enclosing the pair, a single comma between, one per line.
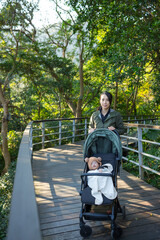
(57,183)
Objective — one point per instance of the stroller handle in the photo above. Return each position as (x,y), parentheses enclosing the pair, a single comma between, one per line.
(97,174)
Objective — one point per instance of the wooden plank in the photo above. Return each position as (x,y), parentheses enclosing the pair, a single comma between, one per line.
(57,185)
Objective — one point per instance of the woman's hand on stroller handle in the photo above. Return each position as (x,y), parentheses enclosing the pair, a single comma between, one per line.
(91,130)
(111,128)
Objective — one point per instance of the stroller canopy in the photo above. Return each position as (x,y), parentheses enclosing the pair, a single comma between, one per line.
(102,141)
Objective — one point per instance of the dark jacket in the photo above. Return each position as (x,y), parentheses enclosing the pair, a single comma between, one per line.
(113,119)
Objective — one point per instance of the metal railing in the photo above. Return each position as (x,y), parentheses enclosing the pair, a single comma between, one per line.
(24,220)
(70,129)
(76,128)
(59,131)
(138,130)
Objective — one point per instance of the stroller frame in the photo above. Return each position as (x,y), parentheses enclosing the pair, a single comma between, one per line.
(91,148)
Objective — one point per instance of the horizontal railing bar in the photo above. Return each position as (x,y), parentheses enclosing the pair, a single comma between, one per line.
(140,120)
(142,140)
(47,141)
(58,119)
(37,136)
(51,134)
(151,170)
(66,125)
(128,137)
(145,167)
(37,129)
(80,135)
(156,127)
(57,139)
(53,127)
(66,131)
(145,154)
(53,140)
(147,141)
(36,143)
(83,118)
(136,163)
(149,155)
(80,129)
(40,129)
(47,134)
(131,149)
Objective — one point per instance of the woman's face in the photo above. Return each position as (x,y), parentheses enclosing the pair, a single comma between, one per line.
(104,101)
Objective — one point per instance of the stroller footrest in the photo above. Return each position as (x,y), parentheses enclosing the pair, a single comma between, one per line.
(96,216)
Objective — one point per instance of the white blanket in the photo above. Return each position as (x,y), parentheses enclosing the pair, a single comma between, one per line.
(102,184)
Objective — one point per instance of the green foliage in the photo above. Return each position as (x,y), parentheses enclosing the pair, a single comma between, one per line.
(45,85)
(125,39)
(152,135)
(14,139)
(6,187)
(152,179)
(132,168)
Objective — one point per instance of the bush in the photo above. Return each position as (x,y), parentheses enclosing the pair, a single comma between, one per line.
(14,139)
(6,187)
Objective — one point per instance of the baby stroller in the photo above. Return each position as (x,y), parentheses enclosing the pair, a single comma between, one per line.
(107,145)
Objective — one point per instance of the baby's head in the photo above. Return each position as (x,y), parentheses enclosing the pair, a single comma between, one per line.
(93,162)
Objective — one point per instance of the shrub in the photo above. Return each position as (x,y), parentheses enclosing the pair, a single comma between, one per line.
(14,139)
(6,187)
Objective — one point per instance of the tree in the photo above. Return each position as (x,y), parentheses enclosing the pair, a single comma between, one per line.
(129,36)
(63,39)
(16,16)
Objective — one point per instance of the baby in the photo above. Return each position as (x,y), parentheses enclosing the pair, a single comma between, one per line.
(93,162)
(100,184)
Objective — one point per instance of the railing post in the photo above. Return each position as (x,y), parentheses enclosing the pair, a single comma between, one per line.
(60,132)
(128,129)
(31,140)
(43,134)
(85,132)
(73,134)
(140,150)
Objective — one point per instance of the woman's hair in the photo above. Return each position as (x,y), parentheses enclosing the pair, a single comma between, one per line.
(109,95)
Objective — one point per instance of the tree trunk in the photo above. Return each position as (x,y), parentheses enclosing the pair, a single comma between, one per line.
(116,96)
(116,91)
(133,108)
(80,100)
(4,131)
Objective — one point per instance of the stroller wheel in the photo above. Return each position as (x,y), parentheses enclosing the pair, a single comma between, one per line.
(116,233)
(123,212)
(85,231)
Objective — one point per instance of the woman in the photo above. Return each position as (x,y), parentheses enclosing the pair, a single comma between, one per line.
(106,117)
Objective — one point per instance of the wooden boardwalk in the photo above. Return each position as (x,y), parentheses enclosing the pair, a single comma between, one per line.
(56,174)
